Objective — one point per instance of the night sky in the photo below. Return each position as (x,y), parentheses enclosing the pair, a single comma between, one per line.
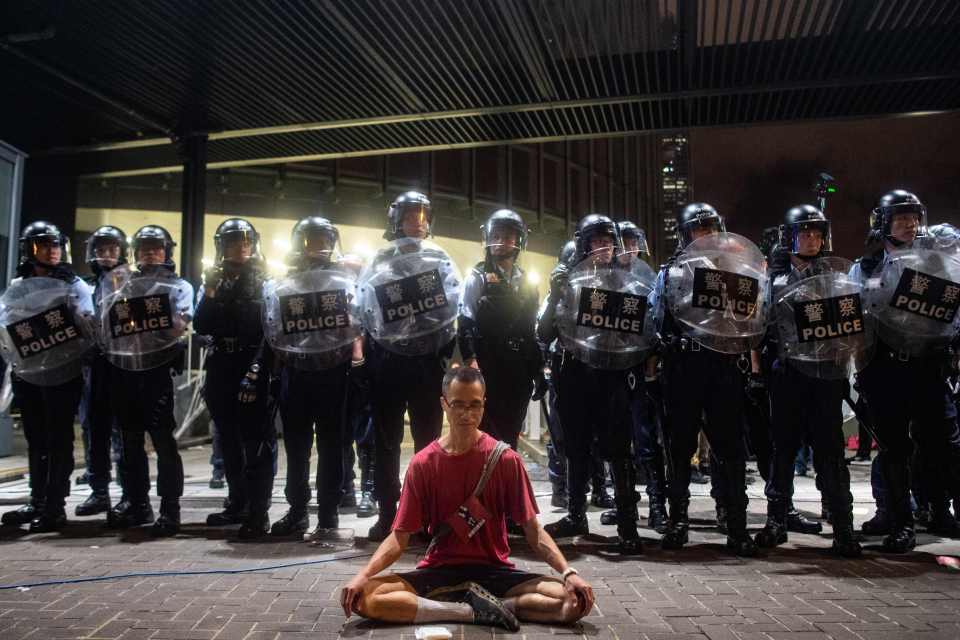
(754,174)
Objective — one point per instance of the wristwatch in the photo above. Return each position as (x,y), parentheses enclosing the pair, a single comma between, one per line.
(569,572)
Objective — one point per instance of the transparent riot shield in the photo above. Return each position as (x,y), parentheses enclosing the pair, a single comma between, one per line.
(311,318)
(603,316)
(914,300)
(140,326)
(43,335)
(410,296)
(717,290)
(820,321)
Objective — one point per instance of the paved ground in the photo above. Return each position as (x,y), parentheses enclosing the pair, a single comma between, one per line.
(798,592)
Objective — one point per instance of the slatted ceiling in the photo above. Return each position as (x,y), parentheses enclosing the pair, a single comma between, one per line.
(250,64)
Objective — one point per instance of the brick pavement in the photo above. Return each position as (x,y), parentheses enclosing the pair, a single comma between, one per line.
(798,592)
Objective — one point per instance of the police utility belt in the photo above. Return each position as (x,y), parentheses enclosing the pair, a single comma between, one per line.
(232,345)
(683,344)
(513,344)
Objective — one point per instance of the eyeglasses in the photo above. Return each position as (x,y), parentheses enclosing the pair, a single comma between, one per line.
(464,407)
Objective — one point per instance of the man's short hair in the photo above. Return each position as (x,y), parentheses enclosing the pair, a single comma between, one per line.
(463,375)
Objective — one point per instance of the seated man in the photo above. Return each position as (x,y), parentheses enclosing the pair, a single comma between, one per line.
(466,575)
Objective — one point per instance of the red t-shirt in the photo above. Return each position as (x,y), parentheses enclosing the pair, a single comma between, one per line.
(437,483)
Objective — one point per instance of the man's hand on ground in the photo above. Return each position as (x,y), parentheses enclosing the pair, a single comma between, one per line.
(578,588)
(350,595)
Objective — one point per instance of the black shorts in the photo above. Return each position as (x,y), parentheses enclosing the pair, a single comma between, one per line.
(495,579)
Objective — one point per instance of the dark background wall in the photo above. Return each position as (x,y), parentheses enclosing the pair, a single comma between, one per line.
(754,174)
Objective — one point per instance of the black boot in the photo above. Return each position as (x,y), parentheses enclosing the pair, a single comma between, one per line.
(845,542)
(878,525)
(50,519)
(256,526)
(897,476)
(129,514)
(678,526)
(384,524)
(625,495)
(23,515)
(572,524)
(900,540)
(233,513)
(741,544)
(798,523)
(942,522)
(367,507)
(774,532)
(657,517)
(657,513)
(294,522)
(349,498)
(168,524)
(96,502)
(733,473)
(599,497)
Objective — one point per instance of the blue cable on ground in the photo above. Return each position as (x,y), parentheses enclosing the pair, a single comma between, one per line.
(205,572)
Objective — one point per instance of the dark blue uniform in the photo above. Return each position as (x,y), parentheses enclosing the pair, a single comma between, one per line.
(496,326)
(232,319)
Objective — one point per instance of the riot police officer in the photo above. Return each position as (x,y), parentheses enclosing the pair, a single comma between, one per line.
(402,383)
(805,408)
(648,452)
(143,399)
(47,412)
(229,312)
(895,374)
(696,381)
(593,401)
(106,249)
(498,313)
(312,404)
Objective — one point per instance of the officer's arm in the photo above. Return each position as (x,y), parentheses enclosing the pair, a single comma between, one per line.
(210,314)
(546,329)
(466,338)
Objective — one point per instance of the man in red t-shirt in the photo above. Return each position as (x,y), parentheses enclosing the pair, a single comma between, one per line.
(466,575)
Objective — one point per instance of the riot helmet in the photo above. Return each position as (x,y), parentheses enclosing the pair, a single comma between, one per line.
(98,253)
(230,238)
(697,215)
(37,241)
(633,238)
(896,208)
(590,235)
(497,231)
(314,239)
(796,229)
(153,237)
(411,203)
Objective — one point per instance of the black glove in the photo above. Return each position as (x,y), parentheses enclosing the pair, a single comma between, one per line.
(559,278)
(249,386)
(212,277)
(756,389)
